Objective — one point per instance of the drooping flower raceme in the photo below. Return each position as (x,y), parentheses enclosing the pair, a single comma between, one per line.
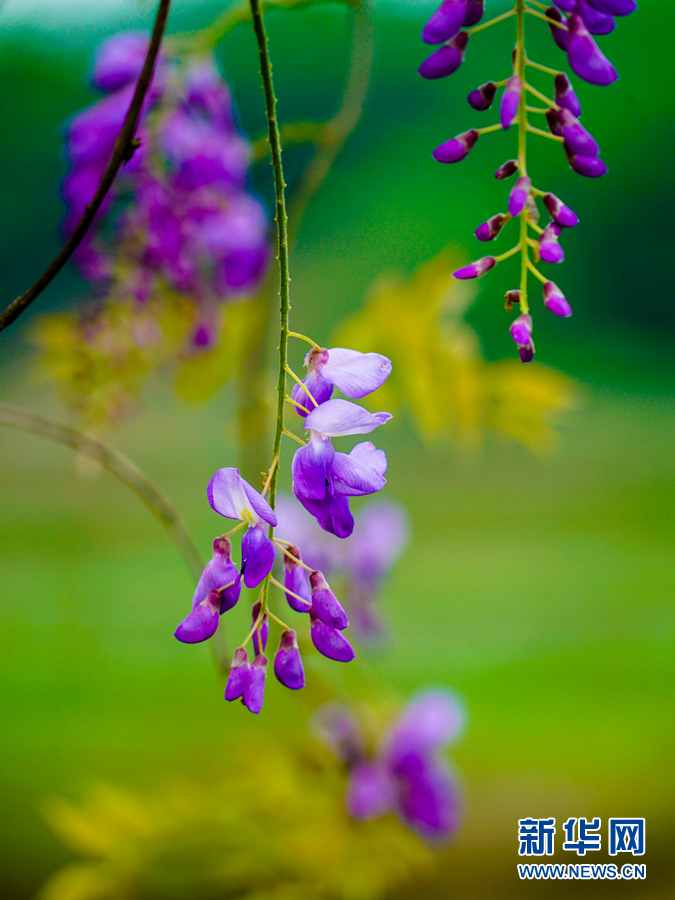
(573,24)
(408,775)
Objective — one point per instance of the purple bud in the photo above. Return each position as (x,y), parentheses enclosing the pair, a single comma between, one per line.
(329,641)
(615,7)
(554,121)
(295,580)
(510,100)
(585,57)
(482,98)
(456,149)
(446,60)
(559,35)
(597,22)
(261,634)
(560,213)
(325,603)
(202,622)
(445,22)
(566,5)
(565,96)
(588,166)
(240,675)
(549,248)
(254,693)
(474,12)
(288,664)
(521,330)
(510,298)
(554,300)
(526,353)
(507,169)
(518,196)
(577,138)
(257,556)
(489,230)
(476,269)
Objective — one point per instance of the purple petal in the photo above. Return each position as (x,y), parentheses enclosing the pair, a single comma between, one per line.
(295,581)
(119,60)
(262,631)
(560,35)
(577,138)
(483,97)
(259,504)
(508,169)
(456,149)
(356,374)
(489,230)
(239,677)
(227,496)
(329,641)
(361,472)
(430,721)
(585,57)
(288,664)
(320,389)
(476,269)
(202,622)
(427,798)
(445,22)
(588,166)
(254,693)
(340,521)
(560,213)
(311,467)
(218,573)
(565,96)
(257,556)
(447,59)
(615,7)
(371,791)
(597,22)
(555,300)
(518,196)
(510,100)
(474,12)
(337,418)
(325,603)
(521,329)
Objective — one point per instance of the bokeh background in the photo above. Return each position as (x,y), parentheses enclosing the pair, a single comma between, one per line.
(539,588)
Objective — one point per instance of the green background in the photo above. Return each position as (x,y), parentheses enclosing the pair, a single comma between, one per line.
(540,589)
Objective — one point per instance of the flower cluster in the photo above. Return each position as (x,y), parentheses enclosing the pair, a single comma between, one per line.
(323,479)
(573,33)
(406,775)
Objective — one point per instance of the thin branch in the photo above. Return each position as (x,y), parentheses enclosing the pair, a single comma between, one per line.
(122,152)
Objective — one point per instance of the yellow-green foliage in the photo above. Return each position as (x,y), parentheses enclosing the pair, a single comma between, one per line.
(437,367)
(261,824)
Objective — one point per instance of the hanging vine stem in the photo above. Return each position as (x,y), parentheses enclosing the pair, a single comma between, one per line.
(124,148)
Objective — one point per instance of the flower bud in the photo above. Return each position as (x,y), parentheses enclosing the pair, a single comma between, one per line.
(554,121)
(565,96)
(288,664)
(526,353)
(489,230)
(446,60)
(456,149)
(325,603)
(560,213)
(202,622)
(521,330)
(511,297)
(329,641)
(518,196)
(445,22)
(555,301)
(615,7)
(254,692)
(559,35)
(240,675)
(585,57)
(549,248)
(506,170)
(597,22)
(474,12)
(483,97)
(295,580)
(261,634)
(257,556)
(588,166)
(577,138)
(476,269)
(510,100)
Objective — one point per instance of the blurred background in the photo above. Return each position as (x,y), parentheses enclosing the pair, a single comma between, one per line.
(538,586)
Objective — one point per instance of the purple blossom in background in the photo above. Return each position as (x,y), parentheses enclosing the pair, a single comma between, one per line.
(408,774)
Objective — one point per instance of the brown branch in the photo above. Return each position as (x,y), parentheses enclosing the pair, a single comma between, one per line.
(122,152)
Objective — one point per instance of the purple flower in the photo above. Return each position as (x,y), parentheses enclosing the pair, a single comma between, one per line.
(325,604)
(597,22)
(445,22)
(257,556)
(220,574)
(456,149)
(446,60)
(577,138)
(254,692)
(510,100)
(287,662)
(355,374)
(489,230)
(476,269)
(549,248)
(240,675)
(565,96)
(295,582)
(483,97)
(119,60)
(508,169)
(338,418)
(519,194)
(555,301)
(329,641)
(474,12)
(560,213)
(521,330)
(202,622)
(588,166)
(585,57)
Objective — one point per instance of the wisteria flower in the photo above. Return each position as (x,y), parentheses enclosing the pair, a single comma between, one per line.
(217,590)
(355,374)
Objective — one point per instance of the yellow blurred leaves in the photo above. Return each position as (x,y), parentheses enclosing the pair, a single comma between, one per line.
(437,368)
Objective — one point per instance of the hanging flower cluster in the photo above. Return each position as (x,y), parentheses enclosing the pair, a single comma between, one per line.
(573,33)
(407,773)
(323,480)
